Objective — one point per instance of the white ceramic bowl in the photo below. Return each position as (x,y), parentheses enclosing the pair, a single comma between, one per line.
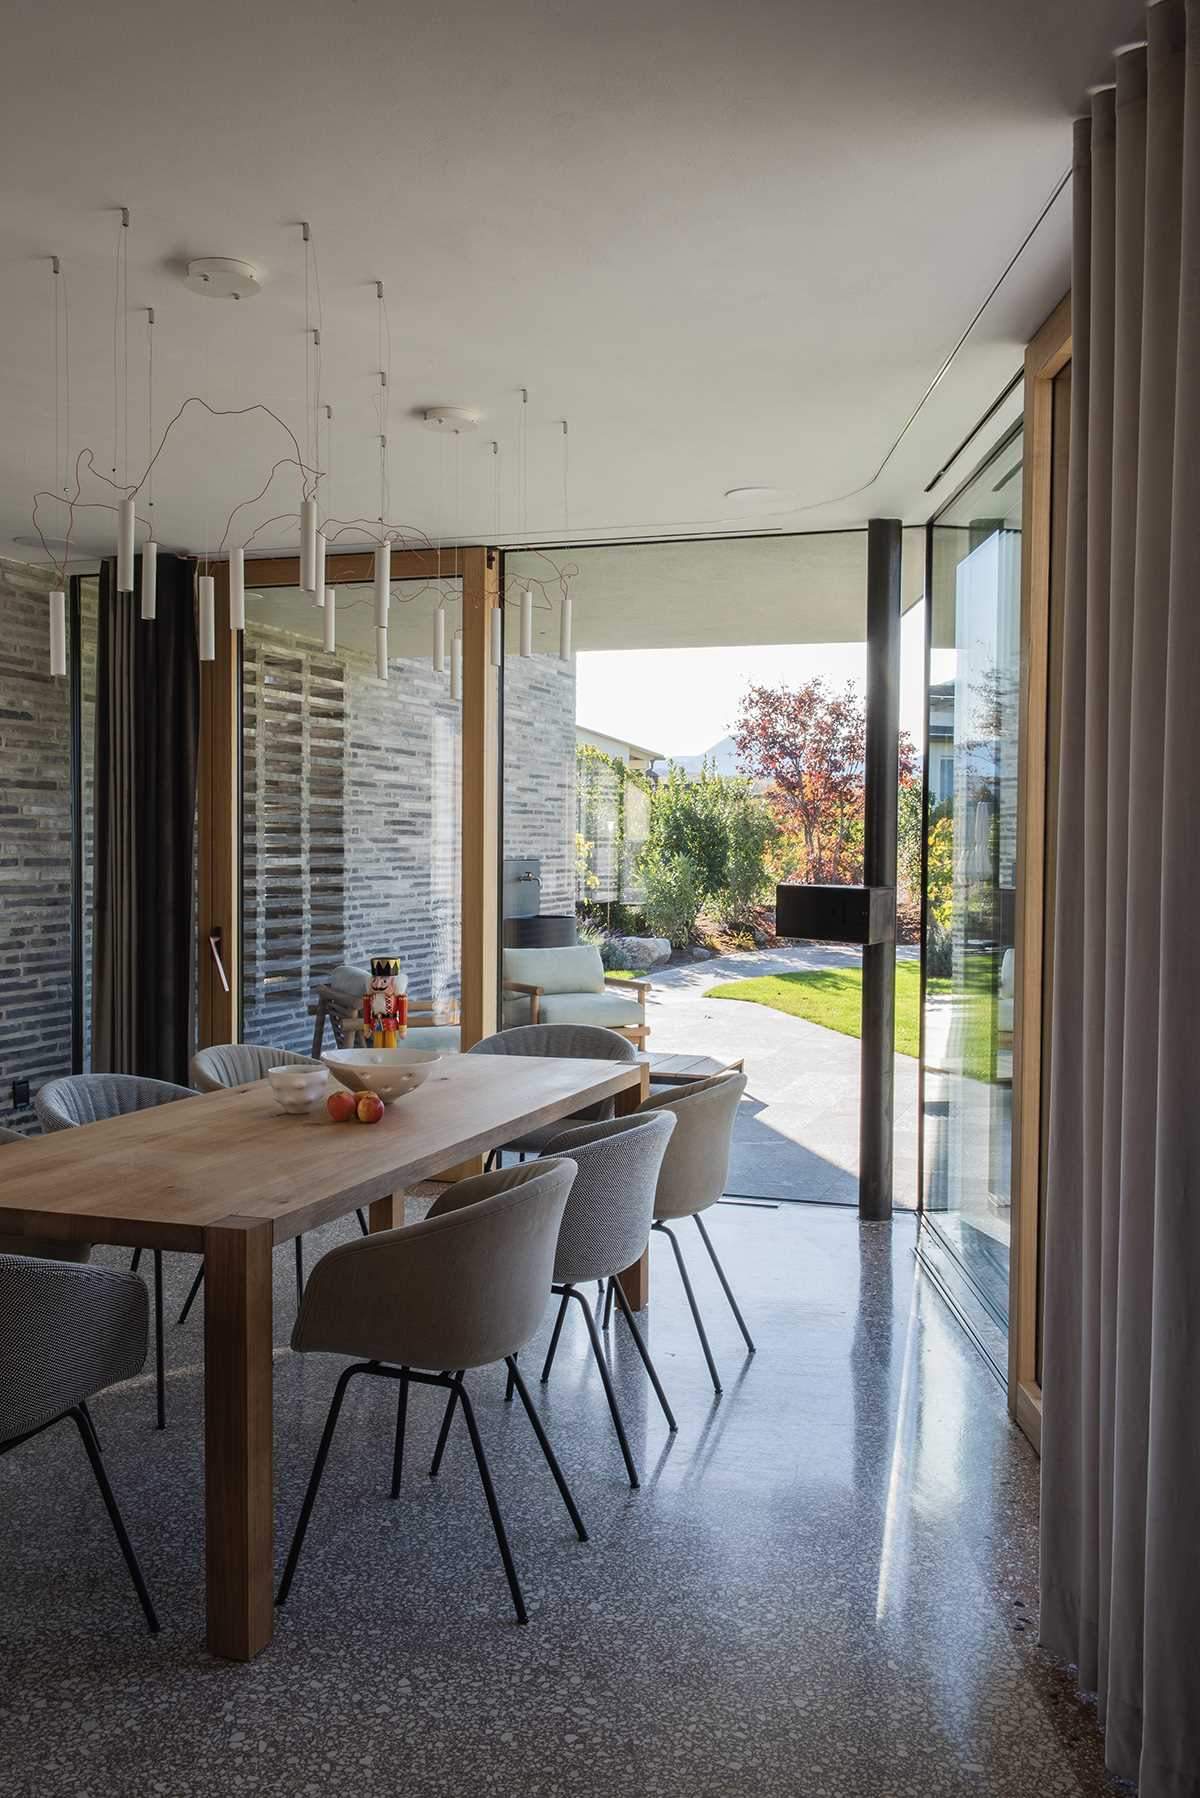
(296,1088)
(389,1072)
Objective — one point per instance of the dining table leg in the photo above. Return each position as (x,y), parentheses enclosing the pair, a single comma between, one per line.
(238,1471)
(635,1280)
(386,1214)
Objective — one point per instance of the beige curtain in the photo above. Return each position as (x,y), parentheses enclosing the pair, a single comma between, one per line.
(1121,1364)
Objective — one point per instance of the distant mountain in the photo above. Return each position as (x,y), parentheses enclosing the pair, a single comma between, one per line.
(721,758)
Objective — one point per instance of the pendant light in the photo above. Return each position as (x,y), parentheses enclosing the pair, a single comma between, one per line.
(319,570)
(237,589)
(308,544)
(330,597)
(58,634)
(208,641)
(149,578)
(527,622)
(456,666)
(564,629)
(381,652)
(439,638)
(383,583)
(497,635)
(125,530)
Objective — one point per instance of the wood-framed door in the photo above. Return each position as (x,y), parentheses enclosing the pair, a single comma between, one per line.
(219,799)
(1044,476)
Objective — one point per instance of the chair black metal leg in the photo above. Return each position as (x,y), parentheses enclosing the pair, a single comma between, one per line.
(614,1285)
(485,1478)
(725,1286)
(491,1161)
(83,1424)
(299,1271)
(609,1391)
(691,1299)
(514,1379)
(401,1416)
(363,1225)
(558,1324)
(315,1481)
(444,1432)
(160,1378)
(509,1386)
(135,1261)
(91,1423)
(190,1300)
(608,1302)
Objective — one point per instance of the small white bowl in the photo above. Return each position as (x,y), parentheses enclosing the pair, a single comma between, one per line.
(298,1089)
(389,1072)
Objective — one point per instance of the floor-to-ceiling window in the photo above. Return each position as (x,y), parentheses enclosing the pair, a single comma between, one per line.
(971,859)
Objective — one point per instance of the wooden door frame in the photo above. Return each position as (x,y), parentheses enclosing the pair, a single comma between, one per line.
(219,797)
(1045,357)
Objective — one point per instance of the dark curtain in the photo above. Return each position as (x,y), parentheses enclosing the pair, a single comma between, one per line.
(147,740)
(1121,1375)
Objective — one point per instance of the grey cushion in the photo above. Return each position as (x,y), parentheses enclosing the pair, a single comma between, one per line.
(87,1098)
(65,1334)
(576,968)
(609,1010)
(223,1065)
(45,1247)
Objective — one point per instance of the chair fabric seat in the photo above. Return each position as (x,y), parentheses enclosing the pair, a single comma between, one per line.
(607,1010)
(223,1065)
(65,1334)
(78,1099)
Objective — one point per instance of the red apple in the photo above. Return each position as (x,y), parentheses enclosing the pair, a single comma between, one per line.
(340,1106)
(370,1108)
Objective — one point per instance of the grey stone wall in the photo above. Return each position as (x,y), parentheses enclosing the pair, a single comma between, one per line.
(35,845)
(539,772)
(351,827)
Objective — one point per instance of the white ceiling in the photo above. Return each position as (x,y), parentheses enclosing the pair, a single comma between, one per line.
(731,245)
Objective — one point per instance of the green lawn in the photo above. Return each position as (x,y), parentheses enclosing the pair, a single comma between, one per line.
(832,997)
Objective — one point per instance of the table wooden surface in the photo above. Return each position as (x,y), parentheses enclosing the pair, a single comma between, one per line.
(228,1175)
(677,1070)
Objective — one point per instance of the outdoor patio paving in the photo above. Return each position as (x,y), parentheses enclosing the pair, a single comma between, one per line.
(797,1130)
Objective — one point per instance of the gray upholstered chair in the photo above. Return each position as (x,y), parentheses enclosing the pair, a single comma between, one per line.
(462,1289)
(694,1171)
(78,1099)
(569,985)
(220,1067)
(45,1247)
(605,1229)
(588,1042)
(66,1333)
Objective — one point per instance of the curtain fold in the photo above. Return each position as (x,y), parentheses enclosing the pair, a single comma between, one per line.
(146,748)
(1121,1364)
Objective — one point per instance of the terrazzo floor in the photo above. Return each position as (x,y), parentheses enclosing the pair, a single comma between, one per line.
(826,1585)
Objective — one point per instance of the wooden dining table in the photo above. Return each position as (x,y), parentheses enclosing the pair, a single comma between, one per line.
(230,1176)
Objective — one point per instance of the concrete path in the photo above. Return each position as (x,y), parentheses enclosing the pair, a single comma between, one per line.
(797,1132)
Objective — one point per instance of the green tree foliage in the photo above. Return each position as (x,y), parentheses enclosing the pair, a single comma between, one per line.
(708,845)
(674,894)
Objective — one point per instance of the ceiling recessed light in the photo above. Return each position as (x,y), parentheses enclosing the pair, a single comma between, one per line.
(759,499)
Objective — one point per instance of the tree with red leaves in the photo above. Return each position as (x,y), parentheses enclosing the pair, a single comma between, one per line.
(808,744)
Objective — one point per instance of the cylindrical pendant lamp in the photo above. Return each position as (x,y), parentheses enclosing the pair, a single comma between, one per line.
(319,571)
(330,625)
(456,655)
(527,623)
(383,583)
(125,531)
(149,578)
(439,639)
(381,653)
(564,629)
(208,639)
(58,634)
(497,635)
(237,589)
(308,544)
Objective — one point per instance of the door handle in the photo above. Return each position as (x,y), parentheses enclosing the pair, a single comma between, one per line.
(214,944)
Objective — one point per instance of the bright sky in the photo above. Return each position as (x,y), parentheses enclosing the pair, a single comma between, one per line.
(683,701)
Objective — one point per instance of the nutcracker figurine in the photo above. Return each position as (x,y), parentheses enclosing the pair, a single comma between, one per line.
(385,1007)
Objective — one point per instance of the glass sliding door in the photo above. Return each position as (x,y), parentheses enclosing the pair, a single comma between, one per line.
(970,899)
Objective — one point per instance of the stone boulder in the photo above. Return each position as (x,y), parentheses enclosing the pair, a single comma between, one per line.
(638,952)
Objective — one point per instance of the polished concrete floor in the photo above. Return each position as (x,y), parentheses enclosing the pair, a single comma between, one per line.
(826,1586)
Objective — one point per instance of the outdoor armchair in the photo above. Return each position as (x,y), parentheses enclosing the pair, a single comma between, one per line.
(569,986)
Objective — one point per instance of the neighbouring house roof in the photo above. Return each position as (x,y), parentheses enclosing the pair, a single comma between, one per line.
(618,746)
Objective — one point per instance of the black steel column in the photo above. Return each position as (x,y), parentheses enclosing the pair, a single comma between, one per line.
(879,867)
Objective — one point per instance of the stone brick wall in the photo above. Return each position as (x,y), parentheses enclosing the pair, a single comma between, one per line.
(539,772)
(35,845)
